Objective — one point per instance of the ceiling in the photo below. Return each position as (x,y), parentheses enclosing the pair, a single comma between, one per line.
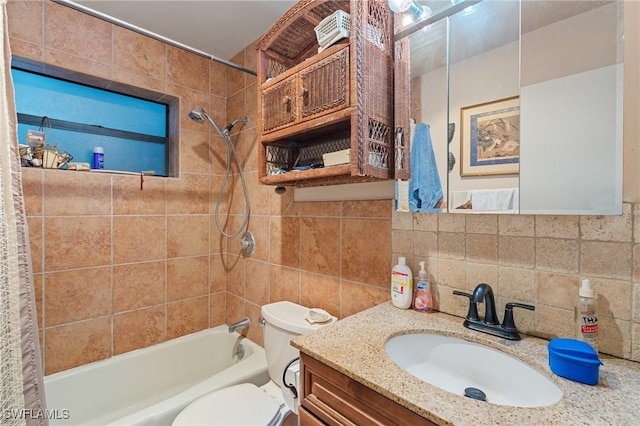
(218,27)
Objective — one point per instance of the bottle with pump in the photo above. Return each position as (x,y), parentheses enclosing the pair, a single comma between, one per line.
(401,285)
(586,319)
(423,299)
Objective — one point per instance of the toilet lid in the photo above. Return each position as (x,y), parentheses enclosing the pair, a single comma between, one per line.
(243,404)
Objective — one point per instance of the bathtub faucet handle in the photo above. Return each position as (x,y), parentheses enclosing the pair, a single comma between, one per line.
(243,323)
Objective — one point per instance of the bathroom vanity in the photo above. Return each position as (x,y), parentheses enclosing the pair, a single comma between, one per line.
(348,378)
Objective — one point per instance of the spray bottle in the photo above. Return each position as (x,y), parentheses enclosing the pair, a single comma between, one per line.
(423,299)
(586,319)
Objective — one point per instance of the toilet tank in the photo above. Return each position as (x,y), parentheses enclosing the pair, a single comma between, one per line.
(284,321)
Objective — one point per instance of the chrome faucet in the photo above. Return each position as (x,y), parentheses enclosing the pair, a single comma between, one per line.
(490,324)
(243,323)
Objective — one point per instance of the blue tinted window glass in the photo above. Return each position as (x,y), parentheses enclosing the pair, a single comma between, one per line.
(40,95)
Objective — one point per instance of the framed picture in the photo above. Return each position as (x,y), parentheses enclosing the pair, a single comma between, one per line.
(490,138)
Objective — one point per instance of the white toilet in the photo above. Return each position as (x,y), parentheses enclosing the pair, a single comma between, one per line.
(270,404)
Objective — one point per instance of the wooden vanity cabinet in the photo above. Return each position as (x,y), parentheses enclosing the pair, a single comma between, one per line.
(331,398)
(312,103)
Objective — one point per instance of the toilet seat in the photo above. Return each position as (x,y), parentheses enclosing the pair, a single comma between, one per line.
(243,404)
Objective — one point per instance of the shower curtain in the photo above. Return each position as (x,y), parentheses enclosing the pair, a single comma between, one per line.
(22,399)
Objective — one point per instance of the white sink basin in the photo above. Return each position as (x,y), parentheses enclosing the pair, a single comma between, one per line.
(456,365)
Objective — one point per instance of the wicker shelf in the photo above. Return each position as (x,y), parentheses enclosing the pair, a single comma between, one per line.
(312,103)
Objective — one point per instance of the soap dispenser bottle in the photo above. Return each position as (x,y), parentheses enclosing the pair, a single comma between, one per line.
(585,313)
(423,299)
(401,284)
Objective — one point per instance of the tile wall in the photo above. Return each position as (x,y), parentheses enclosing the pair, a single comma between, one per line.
(117,268)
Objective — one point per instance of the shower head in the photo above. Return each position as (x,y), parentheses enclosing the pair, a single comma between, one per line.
(244,120)
(198,115)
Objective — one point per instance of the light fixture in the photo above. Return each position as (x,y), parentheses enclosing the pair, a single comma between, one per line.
(410,6)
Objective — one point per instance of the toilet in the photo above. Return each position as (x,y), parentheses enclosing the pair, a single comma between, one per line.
(273,403)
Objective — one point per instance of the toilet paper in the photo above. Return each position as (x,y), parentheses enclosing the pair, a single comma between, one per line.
(292,377)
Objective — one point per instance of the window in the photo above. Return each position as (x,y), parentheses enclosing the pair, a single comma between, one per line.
(132,131)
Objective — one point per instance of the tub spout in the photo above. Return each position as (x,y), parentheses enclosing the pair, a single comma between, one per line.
(243,323)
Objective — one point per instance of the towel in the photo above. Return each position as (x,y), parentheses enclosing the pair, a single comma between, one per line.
(425,189)
(495,199)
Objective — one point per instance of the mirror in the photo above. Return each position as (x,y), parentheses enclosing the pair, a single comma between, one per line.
(521,119)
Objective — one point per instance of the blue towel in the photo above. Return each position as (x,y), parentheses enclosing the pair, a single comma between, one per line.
(425,189)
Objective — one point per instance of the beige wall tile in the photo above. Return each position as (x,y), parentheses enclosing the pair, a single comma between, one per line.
(259,195)
(367,209)
(452,245)
(188,195)
(24,49)
(557,226)
(451,223)
(425,244)
(235,81)
(88,37)
(217,274)
(32,189)
(402,221)
(235,308)
(187,235)
(255,331)
(612,260)
(516,283)
(482,224)
(614,336)
(236,106)
(402,241)
(236,275)
(482,248)
(517,226)
(365,255)
(284,284)
(77,295)
(614,298)
(635,342)
(636,302)
(138,285)
(557,290)
(71,345)
(320,245)
(187,277)
(552,322)
(425,222)
(128,198)
(608,228)
(36,241)
(189,100)
(187,69)
(76,242)
(259,227)
(477,273)
(250,157)
(25,21)
(138,238)
(451,273)
(75,194)
(257,282)
(557,255)
(78,68)
(187,316)
(516,251)
(217,309)
(217,76)
(138,329)
(318,291)
(139,54)
(357,297)
(320,209)
(194,151)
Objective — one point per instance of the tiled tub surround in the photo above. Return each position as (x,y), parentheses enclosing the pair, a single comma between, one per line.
(153,266)
(355,347)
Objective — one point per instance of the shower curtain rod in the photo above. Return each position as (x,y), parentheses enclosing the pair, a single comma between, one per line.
(151,34)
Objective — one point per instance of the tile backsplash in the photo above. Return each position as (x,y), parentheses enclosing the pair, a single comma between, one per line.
(117,268)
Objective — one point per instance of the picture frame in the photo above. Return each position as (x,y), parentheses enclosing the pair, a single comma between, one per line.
(490,138)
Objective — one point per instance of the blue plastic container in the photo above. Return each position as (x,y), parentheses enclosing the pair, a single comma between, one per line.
(574,360)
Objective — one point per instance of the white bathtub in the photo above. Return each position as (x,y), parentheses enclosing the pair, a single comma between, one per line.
(151,386)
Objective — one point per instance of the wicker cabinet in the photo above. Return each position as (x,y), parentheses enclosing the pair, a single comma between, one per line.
(312,103)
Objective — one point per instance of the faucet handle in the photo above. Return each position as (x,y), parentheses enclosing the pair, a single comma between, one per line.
(472,314)
(508,323)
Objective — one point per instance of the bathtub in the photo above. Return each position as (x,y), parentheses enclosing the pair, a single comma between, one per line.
(151,386)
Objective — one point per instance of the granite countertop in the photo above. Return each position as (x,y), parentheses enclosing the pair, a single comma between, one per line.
(355,347)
